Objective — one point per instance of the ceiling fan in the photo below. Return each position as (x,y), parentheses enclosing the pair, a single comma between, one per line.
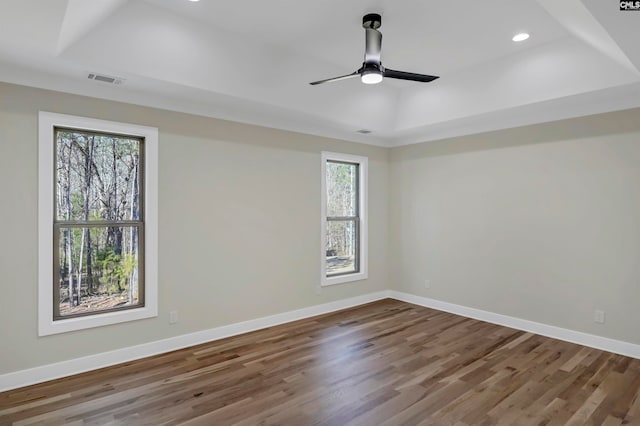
(372,71)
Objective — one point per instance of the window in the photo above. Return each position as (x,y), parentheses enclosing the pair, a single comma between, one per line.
(344,214)
(97,223)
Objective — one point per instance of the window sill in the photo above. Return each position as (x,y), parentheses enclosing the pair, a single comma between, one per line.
(48,327)
(342,279)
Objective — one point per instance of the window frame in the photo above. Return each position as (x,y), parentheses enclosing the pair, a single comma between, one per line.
(48,125)
(360,220)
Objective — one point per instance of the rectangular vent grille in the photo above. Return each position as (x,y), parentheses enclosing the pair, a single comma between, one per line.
(105,78)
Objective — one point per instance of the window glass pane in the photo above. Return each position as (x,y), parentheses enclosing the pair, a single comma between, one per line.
(341,244)
(98,268)
(342,194)
(97,177)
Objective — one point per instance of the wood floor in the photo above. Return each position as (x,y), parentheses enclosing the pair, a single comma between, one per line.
(388,363)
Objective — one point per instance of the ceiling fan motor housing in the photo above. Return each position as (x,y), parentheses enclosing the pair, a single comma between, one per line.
(373,38)
(372,21)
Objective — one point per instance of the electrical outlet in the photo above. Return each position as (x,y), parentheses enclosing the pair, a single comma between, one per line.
(427,284)
(598,316)
(173,317)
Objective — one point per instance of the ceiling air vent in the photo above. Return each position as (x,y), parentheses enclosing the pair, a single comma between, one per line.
(105,78)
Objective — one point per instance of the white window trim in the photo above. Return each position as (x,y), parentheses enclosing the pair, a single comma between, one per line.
(47,122)
(363,274)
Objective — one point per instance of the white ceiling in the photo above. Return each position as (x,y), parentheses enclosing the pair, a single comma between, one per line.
(252,60)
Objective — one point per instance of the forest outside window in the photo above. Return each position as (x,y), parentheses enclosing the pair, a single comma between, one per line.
(344,226)
(98,229)
(97,223)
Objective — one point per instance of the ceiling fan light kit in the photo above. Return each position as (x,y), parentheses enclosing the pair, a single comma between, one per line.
(372,71)
(371,74)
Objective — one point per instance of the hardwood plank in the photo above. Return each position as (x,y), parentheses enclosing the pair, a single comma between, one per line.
(387,362)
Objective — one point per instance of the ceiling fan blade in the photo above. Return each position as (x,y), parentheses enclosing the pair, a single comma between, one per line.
(403,75)
(342,77)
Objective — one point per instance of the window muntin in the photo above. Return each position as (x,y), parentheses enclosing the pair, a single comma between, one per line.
(344,218)
(98,234)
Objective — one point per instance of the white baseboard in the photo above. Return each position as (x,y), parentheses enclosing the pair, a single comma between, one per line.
(585,339)
(92,362)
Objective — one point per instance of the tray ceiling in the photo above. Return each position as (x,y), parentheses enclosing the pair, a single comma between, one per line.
(251,61)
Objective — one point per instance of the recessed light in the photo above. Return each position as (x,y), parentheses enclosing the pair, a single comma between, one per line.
(520,37)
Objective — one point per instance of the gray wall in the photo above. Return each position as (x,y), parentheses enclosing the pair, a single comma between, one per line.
(539,222)
(239,225)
